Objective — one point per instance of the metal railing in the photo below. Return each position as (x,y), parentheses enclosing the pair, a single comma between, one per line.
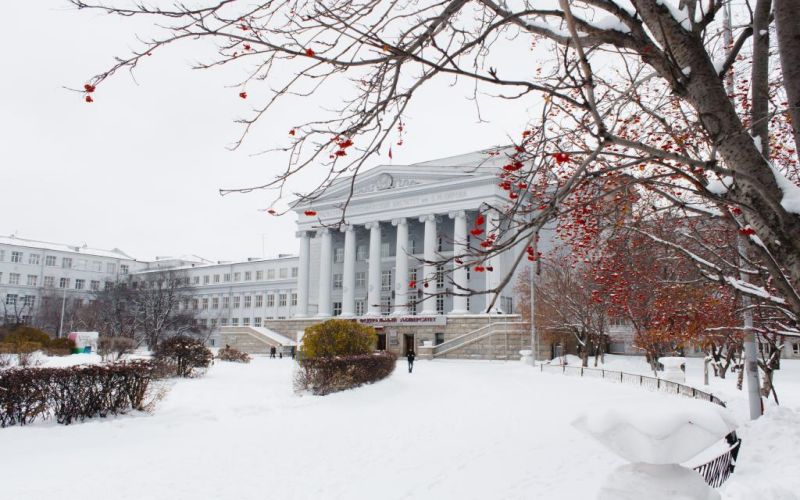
(486,330)
(714,472)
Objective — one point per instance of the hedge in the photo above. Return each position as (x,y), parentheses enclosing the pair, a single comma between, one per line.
(323,376)
(74,393)
(231,354)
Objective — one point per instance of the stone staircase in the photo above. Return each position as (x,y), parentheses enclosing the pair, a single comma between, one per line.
(254,340)
(498,340)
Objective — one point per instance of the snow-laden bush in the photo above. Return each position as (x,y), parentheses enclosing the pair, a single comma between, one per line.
(337,337)
(230,354)
(323,376)
(76,392)
(186,355)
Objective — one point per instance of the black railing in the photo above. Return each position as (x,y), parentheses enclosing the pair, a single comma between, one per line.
(714,472)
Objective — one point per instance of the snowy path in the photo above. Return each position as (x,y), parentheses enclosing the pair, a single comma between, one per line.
(460,430)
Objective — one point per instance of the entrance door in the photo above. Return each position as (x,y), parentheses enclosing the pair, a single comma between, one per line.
(408,340)
(381,341)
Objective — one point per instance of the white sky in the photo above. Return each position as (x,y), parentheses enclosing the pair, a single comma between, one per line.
(139,169)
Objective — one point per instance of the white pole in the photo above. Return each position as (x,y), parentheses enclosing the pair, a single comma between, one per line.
(61,320)
(750,352)
(534,337)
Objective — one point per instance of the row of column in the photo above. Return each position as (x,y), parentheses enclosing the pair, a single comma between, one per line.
(401,285)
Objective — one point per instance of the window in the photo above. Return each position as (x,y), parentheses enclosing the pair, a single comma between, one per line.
(270,300)
(195,280)
(204,323)
(439,244)
(123,269)
(206,279)
(412,307)
(361,252)
(94,285)
(234,321)
(97,266)
(337,281)
(507,304)
(412,274)
(294,299)
(32,279)
(412,246)
(66,262)
(237,276)
(81,264)
(223,322)
(185,303)
(13,279)
(386,280)
(270,274)
(337,308)
(361,279)
(248,300)
(248,275)
(216,278)
(338,255)
(259,275)
(386,306)
(50,260)
(282,300)
(226,302)
(245,321)
(795,348)
(257,322)
(359,308)
(108,285)
(226,277)
(111,268)
(294,272)
(205,303)
(440,276)
(259,300)
(2,255)
(49,281)
(29,300)
(283,273)
(33,259)
(439,338)
(80,284)
(213,322)
(214,302)
(195,304)
(440,304)
(468,308)
(11,299)
(236,302)
(385,249)
(16,256)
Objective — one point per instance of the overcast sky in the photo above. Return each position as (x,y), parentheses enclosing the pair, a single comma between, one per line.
(139,169)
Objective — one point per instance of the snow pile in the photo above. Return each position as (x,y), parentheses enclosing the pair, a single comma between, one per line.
(719,185)
(791,192)
(666,431)
(655,482)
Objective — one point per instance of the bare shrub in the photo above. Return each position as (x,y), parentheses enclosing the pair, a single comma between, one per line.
(26,354)
(323,376)
(231,354)
(187,355)
(115,348)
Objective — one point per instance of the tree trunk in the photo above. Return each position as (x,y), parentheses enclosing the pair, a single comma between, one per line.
(788,31)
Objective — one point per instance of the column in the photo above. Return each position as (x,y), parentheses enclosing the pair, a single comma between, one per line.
(493,277)
(302,275)
(401,268)
(374,275)
(429,267)
(325,261)
(459,271)
(349,272)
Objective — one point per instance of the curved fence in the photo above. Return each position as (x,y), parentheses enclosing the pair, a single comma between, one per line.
(716,471)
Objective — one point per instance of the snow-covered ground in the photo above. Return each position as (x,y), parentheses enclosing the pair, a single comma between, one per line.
(452,429)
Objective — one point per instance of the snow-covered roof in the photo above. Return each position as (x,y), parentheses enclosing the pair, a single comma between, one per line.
(64,247)
(209,265)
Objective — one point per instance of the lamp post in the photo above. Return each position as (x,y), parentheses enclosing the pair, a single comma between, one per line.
(534,269)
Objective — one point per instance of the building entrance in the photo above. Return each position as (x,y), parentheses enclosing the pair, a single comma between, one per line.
(408,341)
(381,342)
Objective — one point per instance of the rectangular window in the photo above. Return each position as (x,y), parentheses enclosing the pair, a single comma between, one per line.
(29,300)
(259,275)
(259,300)
(50,261)
(213,322)
(80,284)
(237,276)
(248,300)
(412,307)
(204,323)
(236,302)
(111,268)
(16,256)
(257,322)
(439,338)
(49,281)
(223,322)
(294,272)
(66,262)
(795,348)
(439,244)
(337,281)
(97,266)
(185,303)
(440,304)
(81,264)
(468,304)
(386,306)
(206,279)
(226,277)
(412,274)
(13,279)
(63,283)
(245,321)
(32,279)
(11,299)
(338,255)
(234,321)
(412,246)
(33,259)
(440,276)
(216,278)
(361,252)
(123,269)
(270,300)
(337,308)
(359,308)
(2,255)
(214,302)
(195,280)
(507,304)
(195,304)
(205,303)
(385,249)
(386,280)
(294,299)
(361,279)
(226,302)
(283,273)
(248,275)
(270,274)
(282,300)
(94,285)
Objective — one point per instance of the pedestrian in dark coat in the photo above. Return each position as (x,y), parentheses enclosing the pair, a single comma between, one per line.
(410,356)
(272,352)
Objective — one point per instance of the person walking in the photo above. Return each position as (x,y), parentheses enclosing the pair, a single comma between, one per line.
(410,356)
(272,352)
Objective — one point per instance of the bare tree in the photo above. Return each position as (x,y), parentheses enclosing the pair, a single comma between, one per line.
(157,301)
